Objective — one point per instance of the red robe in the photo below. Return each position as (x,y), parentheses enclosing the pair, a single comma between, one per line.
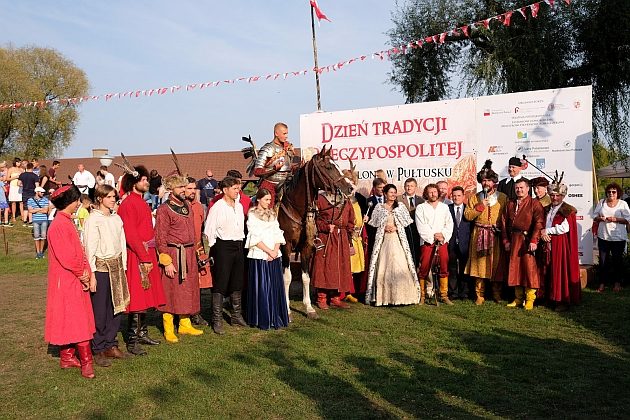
(564,268)
(138,225)
(331,265)
(171,227)
(519,230)
(69,315)
(205,277)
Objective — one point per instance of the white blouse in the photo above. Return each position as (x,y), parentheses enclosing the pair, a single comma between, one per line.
(267,232)
(612,231)
(104,237)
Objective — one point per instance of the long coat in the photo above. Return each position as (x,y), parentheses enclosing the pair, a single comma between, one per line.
(331,265)
(519,229)
(69,316)
(174,225)
(138,224)
(564,265)
(484,266)
(205,276)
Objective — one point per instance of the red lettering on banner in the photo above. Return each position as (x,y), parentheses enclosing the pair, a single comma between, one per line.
(330,132)
(451,149)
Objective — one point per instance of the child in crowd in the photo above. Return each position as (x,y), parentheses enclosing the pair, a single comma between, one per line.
(83,213)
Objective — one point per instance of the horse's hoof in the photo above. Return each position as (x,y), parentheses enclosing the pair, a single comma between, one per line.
(312,315)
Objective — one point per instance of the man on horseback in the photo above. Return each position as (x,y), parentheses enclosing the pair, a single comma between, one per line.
(274,162)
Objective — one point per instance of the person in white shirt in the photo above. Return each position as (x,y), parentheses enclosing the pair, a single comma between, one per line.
(105,248)
(83,179)
(225,231)
(435,226)
(612,216)
(108,177)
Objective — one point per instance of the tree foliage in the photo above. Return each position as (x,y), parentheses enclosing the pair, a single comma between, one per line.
(38,74)
(581,44)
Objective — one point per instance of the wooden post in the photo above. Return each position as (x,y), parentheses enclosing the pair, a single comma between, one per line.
(319,103)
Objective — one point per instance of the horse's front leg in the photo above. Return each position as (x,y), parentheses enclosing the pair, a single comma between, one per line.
(287,285)
(306,299)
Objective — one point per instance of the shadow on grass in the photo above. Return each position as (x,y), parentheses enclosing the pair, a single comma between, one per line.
(501,374)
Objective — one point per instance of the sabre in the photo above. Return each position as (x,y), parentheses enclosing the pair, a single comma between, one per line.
(543,172)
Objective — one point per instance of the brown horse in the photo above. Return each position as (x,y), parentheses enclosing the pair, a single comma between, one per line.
(297,212)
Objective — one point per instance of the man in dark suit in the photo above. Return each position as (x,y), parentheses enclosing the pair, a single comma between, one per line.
(411,199)
(376,198)
(506,185)
(458,282)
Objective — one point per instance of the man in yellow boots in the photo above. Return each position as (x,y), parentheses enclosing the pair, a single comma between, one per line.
(175,242)
(521,226)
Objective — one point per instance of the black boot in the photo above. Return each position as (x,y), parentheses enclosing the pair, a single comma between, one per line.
(143,334)
(133,345)
(237,316)
(197,319)
(217,313)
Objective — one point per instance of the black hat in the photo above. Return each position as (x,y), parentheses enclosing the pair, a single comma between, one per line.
(514,161)
(486,172)
(541,181)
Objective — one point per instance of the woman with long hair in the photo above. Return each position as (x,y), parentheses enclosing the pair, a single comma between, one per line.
(105,247)
(392,278)
(266,302)
(612,216)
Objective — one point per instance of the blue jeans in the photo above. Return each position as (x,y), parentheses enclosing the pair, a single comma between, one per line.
(39,230)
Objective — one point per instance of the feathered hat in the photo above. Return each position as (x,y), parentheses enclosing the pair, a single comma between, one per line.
(556,186)
(486,172)
(176,178)
(132,175)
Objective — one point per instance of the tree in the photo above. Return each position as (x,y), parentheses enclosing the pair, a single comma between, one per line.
(38,74)
(584,43)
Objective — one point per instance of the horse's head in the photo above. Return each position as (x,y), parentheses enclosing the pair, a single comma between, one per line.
(328,176)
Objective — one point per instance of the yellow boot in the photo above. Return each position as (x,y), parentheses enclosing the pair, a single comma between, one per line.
(169,328)
(480,287)
(350,298)
(444,291)
(185,327)
(530,296)
(518,298)
(423,290)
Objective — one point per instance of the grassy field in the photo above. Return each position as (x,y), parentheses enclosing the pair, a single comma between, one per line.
(408,362)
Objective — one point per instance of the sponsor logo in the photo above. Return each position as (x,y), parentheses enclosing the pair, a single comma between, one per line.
(486,112)
(576,195)
(494,149)
(576,104)
(575,185)
(516,109)
(540,163)
(567,144)
(521,135)
(551,107)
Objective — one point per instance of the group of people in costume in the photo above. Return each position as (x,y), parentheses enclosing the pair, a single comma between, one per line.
(379,249)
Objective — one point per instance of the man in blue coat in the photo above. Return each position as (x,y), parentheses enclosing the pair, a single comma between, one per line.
(458,287)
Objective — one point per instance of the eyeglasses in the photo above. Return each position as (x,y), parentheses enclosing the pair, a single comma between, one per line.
(611,192)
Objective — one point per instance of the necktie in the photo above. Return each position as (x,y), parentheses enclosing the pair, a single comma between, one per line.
(380,200)
(410,201)
(458,215)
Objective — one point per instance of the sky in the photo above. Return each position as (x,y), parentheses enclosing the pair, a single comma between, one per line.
(136,45)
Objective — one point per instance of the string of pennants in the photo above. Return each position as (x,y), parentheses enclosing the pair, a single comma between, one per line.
(459,32)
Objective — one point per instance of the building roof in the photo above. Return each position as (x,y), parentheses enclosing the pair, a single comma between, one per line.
(193,164)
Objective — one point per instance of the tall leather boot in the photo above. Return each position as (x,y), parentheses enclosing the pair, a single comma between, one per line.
(480,287)
(530,297)
(133,345)
(322,297)
(143,335)
(185,326)
(67,358)
(423,290)
(169,328)
(518,298)
(444,291)
(217,313)
(237,315)
(496,291)
(85,356)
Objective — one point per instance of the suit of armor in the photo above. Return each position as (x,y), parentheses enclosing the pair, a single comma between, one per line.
(270,155)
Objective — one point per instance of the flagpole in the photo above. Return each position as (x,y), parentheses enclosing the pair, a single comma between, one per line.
(319,103)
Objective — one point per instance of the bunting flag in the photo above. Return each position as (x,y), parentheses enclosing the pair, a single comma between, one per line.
(458,33)
(318,12)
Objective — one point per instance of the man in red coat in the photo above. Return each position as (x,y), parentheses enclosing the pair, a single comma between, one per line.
(143,276)
(520,225)
(560,240)
(332,274)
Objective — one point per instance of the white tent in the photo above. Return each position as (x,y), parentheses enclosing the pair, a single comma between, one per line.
(619,169)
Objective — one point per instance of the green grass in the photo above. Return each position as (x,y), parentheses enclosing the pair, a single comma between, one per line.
(406,362)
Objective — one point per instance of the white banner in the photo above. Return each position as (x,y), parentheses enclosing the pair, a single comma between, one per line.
(450,140)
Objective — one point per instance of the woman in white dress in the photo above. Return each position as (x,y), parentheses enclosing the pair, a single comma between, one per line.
(392,278)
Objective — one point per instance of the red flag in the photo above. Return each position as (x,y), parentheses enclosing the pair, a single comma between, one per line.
(318,12)
(534,8)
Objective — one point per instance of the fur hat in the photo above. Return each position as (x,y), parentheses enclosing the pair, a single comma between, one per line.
(541,181)
(131,178)
(486,172)
(173,181)
(514,161)
(556,186)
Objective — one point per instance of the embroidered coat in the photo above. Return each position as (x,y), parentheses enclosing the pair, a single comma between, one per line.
(379,220)
(205,276)
(69,315)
